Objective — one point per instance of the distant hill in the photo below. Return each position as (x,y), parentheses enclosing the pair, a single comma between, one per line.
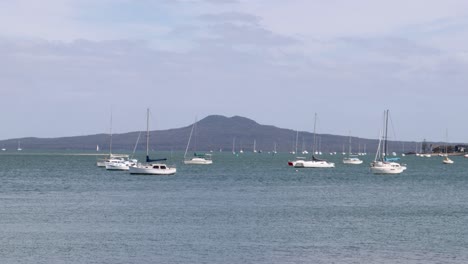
(214,132)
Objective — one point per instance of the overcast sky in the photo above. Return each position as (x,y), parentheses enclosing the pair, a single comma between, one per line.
(66,63)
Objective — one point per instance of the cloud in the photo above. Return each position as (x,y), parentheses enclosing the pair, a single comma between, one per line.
(232,17)
(76,58)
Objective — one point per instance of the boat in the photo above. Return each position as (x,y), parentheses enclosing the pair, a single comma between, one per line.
(198,158)
(151,167)
(446,159)
(314,162)
(351,159)
(120,164)
(119,159)
(234,146)
(382,164)
(19,146)
(255,147)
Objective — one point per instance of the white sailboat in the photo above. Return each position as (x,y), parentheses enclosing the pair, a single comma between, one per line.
(151,167)
(120,160)
(234,146)
(446,159)
(19,146)
(301,162)
(382,164)
(198,158)
(351,159)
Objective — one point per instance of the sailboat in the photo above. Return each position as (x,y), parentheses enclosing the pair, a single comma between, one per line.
(234,146)
(19,146)
(382,164)
(294,149)
(119,159)
(314,162)
(151,167)
(198,158)
(446,159)
(351,159)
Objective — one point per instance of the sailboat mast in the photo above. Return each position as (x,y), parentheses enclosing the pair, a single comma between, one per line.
(386,131)
(190,137)
(315,140)
(349,152)
(297,136)
(110,131)
(147,133)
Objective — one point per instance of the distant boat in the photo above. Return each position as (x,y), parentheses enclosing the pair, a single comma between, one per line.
(198,158)
(19,146)
(234,146)
(351,159)
(382,164)
(3,149)
(255,147)
(119,159)
(301,162)
(120,164)
(446,159)
(151,167)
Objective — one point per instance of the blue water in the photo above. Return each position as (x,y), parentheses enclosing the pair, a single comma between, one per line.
(251,208)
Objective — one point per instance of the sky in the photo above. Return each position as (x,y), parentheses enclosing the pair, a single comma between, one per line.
(66,66)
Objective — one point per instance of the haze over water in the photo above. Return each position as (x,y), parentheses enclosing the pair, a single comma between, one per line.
(250,208)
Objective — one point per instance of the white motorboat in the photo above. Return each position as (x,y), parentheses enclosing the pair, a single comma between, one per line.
(382,164)
(151,167)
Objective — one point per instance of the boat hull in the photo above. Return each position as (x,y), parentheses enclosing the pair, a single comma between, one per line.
(311,164)
(447,161)
(198,161)
(152,169)
(387,168)
(121,167)
(353,161)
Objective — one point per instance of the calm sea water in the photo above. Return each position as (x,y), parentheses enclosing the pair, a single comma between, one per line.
(251,208)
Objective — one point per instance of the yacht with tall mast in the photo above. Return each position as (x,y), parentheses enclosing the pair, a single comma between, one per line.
(198,158)
(382,164)
(302,162)
(351,159)
(151,167)
(446,159)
